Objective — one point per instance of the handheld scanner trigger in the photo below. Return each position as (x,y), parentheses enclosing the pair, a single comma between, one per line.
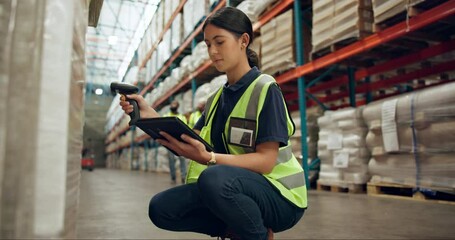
(125,89)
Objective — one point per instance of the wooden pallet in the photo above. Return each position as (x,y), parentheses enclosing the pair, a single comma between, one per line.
(410,12)
(350,188)
(399,191)
(400,17)
(336,46)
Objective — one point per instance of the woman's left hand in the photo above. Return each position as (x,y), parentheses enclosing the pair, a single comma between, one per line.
(191,148)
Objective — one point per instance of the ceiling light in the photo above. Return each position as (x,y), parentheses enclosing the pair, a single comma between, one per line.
(99,91)
(112,40)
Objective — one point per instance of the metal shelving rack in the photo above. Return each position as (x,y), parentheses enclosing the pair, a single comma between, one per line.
(283,5)
(330,62)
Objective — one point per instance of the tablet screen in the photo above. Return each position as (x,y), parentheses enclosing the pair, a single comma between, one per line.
(172,125)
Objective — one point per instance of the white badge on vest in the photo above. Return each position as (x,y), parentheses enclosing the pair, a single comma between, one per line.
(242,132)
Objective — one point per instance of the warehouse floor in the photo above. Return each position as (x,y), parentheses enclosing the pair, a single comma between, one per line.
(113,205)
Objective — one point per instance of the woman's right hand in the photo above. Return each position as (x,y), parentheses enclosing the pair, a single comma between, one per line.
(145,111)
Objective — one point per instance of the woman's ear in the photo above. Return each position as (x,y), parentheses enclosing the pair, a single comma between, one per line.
(245,38)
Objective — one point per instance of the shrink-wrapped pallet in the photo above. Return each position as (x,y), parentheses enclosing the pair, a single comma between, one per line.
(322,32)
(278,55)
(253,8)
(193,14)
(342,148)
(385,9)
(312,129)
(336,21)
(352,19)
(177,32)
(217,82)
(162,159)
(412,138)
(42,76)
(187,101)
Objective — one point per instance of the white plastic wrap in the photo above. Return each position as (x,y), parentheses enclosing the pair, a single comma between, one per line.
(218,82)
(335,21)
(177,32)
(187,101)
(131,75)
(253,8)
(278,55)
(342,148)
(312,132)
(43,67)
(417,145)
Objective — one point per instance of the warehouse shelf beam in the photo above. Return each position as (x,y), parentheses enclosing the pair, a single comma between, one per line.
(315,99)
(284,4)
(417,22)
(443,67)
(149,54)
(322,76)
(388,65)
(363,102)
(279,8)
(174,56)
(160,37)
(185,81)
(177,53)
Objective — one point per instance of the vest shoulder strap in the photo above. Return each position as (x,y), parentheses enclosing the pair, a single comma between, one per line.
(208,104)
(253,104)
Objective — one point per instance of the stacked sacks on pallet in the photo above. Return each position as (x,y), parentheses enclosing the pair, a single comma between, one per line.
(412,138)
(342,148)
(312,128)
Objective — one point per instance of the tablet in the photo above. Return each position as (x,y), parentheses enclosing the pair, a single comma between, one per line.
(171,125)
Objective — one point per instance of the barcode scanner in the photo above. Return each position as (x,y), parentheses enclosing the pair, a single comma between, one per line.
(125,89)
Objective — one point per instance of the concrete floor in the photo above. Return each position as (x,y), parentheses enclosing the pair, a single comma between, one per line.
(114,203)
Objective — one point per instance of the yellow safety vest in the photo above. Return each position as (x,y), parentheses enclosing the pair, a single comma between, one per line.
(180,116)
(287,175)
(194,117)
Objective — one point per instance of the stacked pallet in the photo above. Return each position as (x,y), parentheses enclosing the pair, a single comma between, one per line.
(278,55)
(384,10)
(42,79)
(322,35)
(253,8)
(412,138)
(312,132)
(339,21)
(342,149)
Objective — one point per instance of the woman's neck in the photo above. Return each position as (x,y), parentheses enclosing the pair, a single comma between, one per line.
(235,74)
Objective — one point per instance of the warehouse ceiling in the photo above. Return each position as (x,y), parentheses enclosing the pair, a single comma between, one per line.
(110,46)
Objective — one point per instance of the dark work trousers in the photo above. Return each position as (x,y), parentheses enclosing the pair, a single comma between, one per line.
(225,198)
(172,157)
